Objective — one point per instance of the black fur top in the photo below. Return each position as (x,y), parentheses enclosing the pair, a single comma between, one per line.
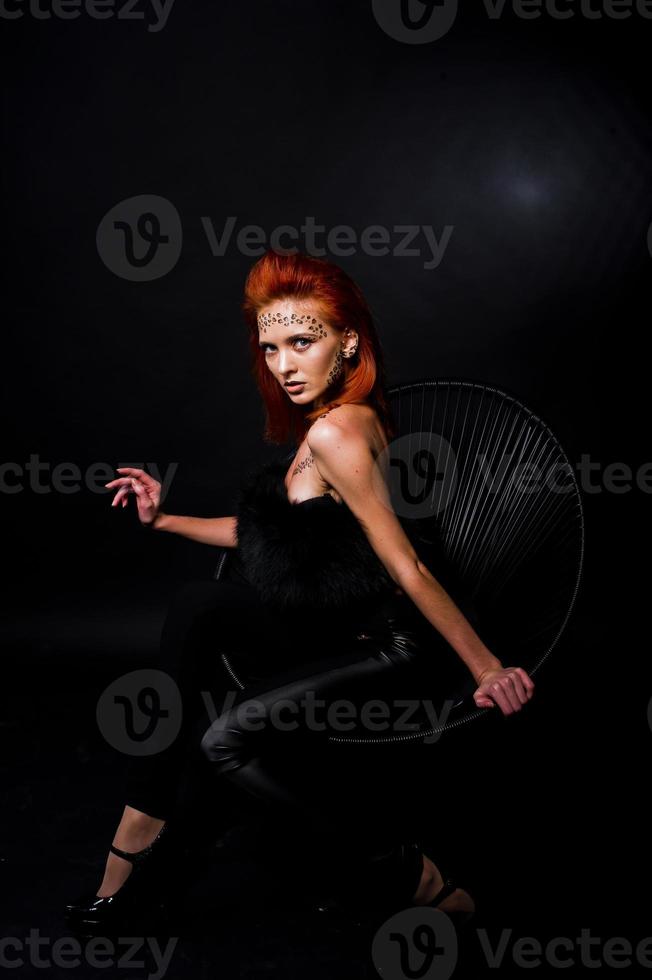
(312,555)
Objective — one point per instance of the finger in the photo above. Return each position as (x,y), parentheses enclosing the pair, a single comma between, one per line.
(484,702)
(519,688)
(498,695)
(120,481)
(119,495)
(507,684)
(144,477)
(527,680)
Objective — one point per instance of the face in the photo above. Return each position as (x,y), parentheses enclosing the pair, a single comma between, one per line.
(300,345)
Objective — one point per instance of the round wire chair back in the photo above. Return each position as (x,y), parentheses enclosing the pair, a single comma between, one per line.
(486,494)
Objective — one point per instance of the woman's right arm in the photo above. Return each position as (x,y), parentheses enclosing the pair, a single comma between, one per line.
(219,531)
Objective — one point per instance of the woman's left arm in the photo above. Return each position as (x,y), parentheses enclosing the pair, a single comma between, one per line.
(343,457)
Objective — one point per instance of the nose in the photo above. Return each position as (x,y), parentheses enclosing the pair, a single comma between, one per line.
(285,363)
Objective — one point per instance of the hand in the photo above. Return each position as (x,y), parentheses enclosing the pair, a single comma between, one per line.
(146,489)
(510,688)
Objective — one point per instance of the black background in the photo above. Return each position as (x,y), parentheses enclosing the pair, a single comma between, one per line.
(532,139)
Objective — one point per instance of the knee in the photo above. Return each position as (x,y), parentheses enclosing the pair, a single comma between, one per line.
(401,646)
(226,745)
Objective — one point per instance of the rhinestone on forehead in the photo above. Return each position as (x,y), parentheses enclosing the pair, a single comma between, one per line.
(312,323)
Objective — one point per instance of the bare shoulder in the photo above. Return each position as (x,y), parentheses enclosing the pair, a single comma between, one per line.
(345,421)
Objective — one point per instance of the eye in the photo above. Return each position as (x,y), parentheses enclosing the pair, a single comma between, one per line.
(299,340)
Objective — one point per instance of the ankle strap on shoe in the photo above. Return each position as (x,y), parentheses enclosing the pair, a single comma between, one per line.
(137,856)
(447,889)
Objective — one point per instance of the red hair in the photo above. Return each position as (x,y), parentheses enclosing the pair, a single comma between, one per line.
(303,277)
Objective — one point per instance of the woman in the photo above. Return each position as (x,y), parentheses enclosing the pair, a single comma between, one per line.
(324,568)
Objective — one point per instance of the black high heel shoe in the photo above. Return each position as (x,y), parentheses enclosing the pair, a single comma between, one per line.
(142,899)
(459,917)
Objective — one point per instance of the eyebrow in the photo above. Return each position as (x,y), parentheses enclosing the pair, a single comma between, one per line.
(295,336)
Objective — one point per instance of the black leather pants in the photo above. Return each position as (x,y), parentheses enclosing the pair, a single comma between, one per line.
(275,712)
(272,741)
(251,723)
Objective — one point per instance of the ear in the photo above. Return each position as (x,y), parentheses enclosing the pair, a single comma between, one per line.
(350,340)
